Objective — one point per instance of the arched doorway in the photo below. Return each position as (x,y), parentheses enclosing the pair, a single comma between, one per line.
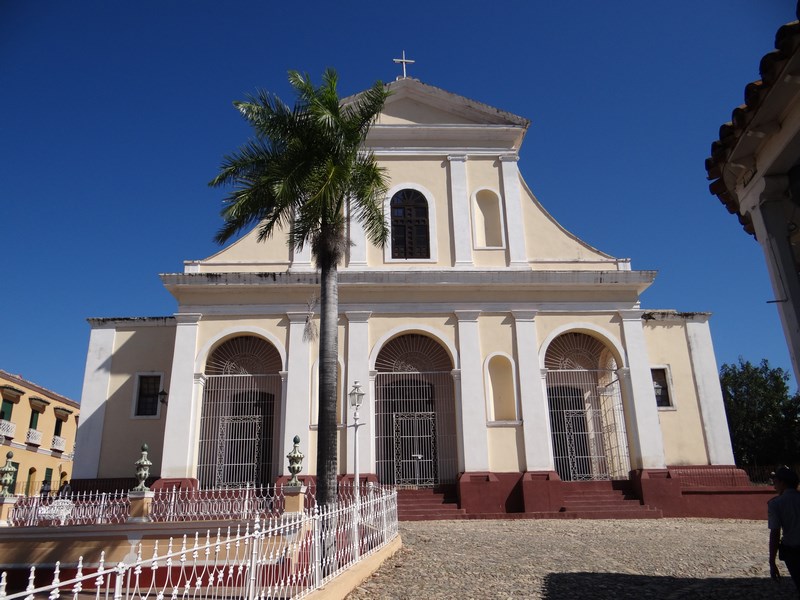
(585,404)
(239,414)
(415,427)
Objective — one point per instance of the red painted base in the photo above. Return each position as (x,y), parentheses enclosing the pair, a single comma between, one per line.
(705,491)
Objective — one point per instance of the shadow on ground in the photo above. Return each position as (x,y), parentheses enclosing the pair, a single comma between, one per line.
(619,586)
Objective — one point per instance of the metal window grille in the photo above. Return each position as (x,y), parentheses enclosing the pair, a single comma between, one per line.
(147,399)
(237,428)
(587,424)
(415,433)
(410,231)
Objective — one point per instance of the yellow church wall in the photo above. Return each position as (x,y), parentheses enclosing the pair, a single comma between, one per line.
(430,173)
(484,174)
(249,255)
(608,323)
(146,350)
(681,425)
(506,449)
(380,326)
(550,246)
(211,328)
(497,334)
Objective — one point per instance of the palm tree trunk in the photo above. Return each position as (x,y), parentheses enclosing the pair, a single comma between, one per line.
(328,368)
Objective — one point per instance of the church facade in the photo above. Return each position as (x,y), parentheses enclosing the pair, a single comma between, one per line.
(495,348)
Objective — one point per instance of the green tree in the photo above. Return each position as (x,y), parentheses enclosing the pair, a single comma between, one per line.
(303,167)
(762,415)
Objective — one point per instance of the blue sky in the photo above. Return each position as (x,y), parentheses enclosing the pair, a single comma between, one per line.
(115,115)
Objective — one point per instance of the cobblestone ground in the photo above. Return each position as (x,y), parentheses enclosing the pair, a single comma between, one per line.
(570,559)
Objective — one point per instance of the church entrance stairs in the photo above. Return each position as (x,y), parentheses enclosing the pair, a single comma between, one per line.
(604,500)
(429,504)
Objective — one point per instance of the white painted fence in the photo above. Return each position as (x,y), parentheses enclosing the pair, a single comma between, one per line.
(286,556)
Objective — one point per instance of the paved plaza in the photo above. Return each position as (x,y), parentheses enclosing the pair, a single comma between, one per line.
(571,559)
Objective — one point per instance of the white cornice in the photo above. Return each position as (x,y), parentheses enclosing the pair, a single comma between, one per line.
(428,308)
(517,279)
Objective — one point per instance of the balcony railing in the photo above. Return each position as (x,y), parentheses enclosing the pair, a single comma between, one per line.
(7,428)
(59,443)
(34,437)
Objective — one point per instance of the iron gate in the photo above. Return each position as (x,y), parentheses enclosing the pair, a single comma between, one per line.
(415,449)
(415,417)
(587,425)
(237,430)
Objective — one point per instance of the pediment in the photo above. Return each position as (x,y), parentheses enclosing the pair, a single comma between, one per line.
(415,103)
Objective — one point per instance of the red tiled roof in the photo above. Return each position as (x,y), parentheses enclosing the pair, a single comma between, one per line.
(787,44)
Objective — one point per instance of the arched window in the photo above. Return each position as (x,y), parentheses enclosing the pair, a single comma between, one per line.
(410,230)
(488,220)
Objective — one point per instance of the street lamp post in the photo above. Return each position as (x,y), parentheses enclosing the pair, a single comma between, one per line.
(356,396)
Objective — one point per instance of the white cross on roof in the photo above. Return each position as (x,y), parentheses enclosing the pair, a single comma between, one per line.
(404,61)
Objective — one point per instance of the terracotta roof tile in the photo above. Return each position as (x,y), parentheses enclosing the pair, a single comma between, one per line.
(787,42)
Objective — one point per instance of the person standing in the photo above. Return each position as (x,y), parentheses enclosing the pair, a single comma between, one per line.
(783,520)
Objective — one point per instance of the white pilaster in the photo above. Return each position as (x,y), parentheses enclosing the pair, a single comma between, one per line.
(301,259)
(180,439)
(358,249)
(709,392)
(456,375)
(96,377)
(358,370)
(640,403)
(535,416)
(462,231)
(473,404)
(512,200)
(765,203)
(297,401)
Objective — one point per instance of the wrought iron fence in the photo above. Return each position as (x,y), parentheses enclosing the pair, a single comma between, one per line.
(80,508)
(207,505)
(281,557)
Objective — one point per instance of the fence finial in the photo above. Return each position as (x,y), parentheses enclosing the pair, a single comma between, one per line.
(295,462)
(142,471)
(7,476)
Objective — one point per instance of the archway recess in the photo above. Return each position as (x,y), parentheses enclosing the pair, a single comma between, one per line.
(238,423)
(587,421)
(415,426)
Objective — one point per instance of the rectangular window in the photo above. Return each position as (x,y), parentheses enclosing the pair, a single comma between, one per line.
(147,395)
(661,387)
(5,412)
(34,420)
(48,475)
(59,425)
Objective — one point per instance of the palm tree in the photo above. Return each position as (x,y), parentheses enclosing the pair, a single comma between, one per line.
(303,167)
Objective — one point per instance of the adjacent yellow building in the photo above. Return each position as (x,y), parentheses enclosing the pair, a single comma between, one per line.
(39,427)
(494,346)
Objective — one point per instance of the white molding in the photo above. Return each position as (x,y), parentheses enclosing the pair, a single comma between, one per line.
(474,212)
(436,334)
(459,227)
(512,204)
(553,308)
(603,335)
(238,330)
(432,227)
(670,387)
(96,380)
(709,394)
(136,377)
(489,395)
(472,416)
